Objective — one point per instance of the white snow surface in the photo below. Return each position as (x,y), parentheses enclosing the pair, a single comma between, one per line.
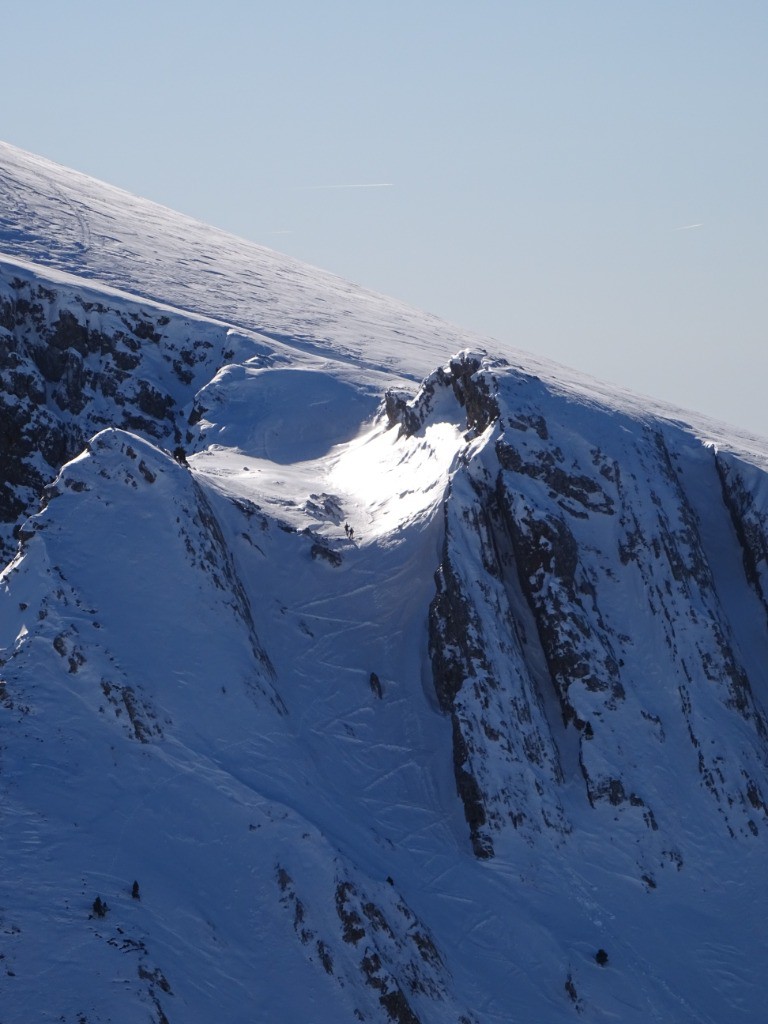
(59,219)
(186,660)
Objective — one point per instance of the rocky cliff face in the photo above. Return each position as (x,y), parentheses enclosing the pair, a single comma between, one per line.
(581,560)
(72,362)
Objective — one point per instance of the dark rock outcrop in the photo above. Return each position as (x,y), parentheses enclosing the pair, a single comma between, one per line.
(71,365)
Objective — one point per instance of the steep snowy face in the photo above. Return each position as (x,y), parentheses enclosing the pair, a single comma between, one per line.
(612,564)
(138,507)
(136,681)
(400,703)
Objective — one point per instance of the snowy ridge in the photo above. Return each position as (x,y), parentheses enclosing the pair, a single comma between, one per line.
(59,220)
(437,703)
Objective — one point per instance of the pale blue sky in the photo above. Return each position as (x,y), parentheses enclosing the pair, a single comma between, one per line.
(546,158)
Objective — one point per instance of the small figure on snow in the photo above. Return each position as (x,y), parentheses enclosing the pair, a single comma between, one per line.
(180,455)
(376,685)
(100,908)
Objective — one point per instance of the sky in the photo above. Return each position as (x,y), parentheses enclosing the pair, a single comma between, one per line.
(582,179)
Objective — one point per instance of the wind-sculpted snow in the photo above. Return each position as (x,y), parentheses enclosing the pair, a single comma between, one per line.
(254,409)
(54,217)
(401,705)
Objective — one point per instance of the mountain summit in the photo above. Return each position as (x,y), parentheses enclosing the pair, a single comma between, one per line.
(354,668)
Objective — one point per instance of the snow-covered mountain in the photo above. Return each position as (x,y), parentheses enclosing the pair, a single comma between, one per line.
(410,679)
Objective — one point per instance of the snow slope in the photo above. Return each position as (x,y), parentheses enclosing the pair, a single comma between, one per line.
(399,702)
(60,220)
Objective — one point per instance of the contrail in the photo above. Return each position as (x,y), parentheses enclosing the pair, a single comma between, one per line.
(689,227)
(374,184)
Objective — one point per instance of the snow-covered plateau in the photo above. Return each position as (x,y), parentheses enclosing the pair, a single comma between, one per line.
(354,668)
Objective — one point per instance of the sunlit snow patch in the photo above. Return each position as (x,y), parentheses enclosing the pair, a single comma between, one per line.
(397,480)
